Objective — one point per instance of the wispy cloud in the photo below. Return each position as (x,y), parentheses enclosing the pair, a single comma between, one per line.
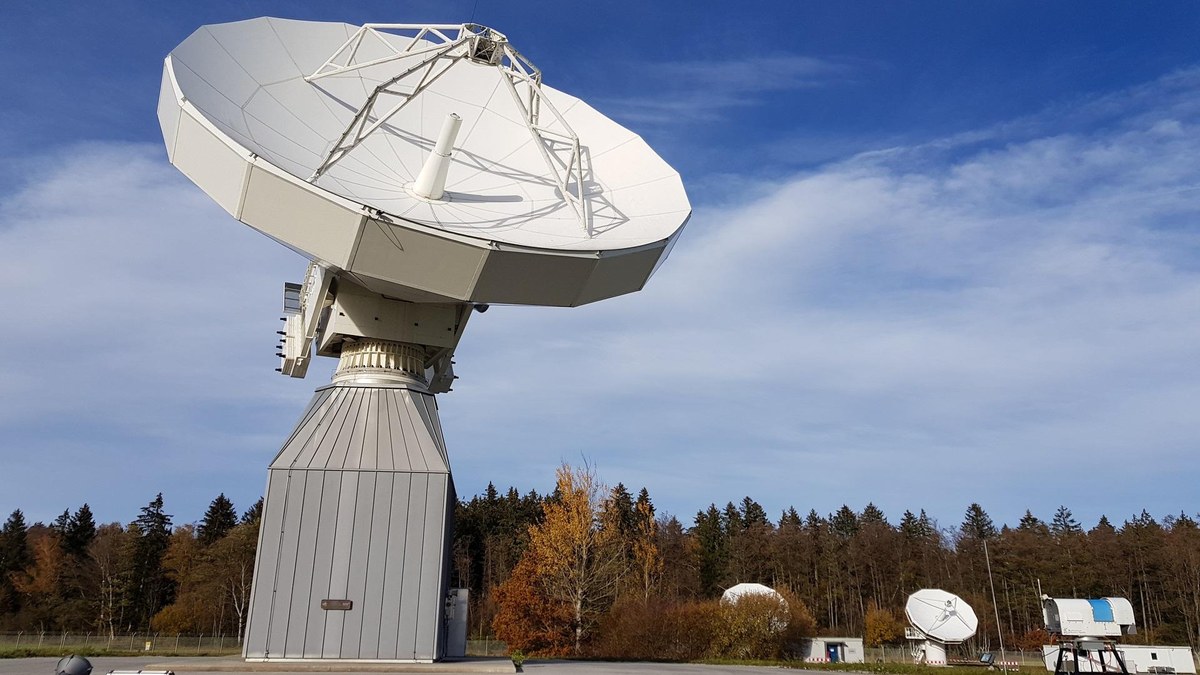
(139,341)
(702,90)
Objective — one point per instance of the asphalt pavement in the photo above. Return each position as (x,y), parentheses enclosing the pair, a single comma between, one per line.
(102,665)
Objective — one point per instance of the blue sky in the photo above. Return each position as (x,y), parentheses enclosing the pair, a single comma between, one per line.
(941,253)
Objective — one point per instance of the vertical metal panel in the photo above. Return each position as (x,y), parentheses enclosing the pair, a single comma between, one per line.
(337,587)
(406,451)
(388,449)
(266,564)
(430,598)
(340,445)
(323,562)
(360,549)
(427,407)
(393,583)
(411,572)
(373,580)
(423,455)
(410,452)
(295,562)
(336,421)
(370,451)
(305,440)
(355,456)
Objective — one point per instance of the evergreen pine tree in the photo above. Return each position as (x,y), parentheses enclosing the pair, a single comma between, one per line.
(1030,522)
(79,533)
(14,557)
(61,522)
(753,514)
(1064,523)
(844,523)
(731,520)
(977,524)
(790,520)
(872,514)
(928,528)
(218,520)
(619,509)
(147,588)
(643,504)
(712,541)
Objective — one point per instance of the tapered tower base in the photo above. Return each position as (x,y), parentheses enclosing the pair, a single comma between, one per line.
(353,557)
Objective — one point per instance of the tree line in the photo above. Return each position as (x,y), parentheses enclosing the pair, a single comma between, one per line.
(149,575)
(588,568)
(850,571)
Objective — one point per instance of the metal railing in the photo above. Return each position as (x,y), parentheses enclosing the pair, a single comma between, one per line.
(903,654)
(180,644)
(150,643)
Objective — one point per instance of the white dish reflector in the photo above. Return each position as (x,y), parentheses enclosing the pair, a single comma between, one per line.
(267,84)
(942,616)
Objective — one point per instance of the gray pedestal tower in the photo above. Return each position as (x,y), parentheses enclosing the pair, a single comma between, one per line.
(354,549)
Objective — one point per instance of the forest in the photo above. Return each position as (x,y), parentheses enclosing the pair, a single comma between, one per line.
(589,569)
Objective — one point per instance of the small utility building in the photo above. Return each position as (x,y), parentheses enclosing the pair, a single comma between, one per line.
(833,650)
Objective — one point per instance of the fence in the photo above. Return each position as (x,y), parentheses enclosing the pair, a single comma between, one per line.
(486,646)
(174,645)
(151,643)
(903,654)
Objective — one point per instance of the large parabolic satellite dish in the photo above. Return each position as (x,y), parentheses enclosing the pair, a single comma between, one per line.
(316,133)
(425,171)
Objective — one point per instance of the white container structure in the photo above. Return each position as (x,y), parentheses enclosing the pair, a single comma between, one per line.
(1098,617)
(937,619)
(834,650)
(424,171)
(1153,660)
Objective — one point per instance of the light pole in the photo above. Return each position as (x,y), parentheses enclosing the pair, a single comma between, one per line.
(995,607)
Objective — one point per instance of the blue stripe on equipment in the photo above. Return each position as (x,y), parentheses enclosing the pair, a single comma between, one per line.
(1101,610)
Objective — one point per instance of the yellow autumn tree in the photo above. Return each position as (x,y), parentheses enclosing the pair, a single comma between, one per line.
(570,569)
(882,626)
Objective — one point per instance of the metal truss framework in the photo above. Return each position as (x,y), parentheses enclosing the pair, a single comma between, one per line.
(434,50)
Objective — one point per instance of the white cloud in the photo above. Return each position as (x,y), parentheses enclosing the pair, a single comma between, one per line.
(1011,317)
(702,90)
(139,341)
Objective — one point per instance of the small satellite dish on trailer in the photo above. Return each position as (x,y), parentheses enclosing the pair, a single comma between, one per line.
(424,171)
(940,615)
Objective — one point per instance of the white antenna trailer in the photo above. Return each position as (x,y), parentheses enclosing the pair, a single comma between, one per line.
(425,171)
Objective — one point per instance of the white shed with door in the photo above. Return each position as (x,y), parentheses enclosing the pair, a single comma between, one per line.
(833,650)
